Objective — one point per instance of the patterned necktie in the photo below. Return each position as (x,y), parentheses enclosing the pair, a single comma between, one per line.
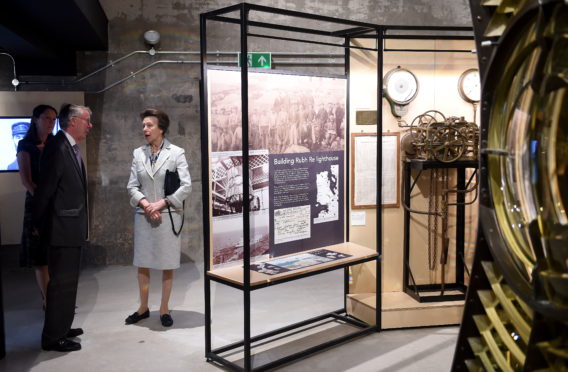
(78,156)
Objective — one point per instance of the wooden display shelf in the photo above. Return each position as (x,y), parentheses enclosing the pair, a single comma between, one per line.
(399,310)
(234,274)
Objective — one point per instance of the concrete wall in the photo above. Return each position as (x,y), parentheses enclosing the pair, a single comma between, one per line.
(175,89)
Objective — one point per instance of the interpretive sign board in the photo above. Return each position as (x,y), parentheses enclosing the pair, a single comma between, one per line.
(296,162)
(306,201)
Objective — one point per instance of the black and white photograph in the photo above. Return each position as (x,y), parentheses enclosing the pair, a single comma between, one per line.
(228,238)
(287,113)
(227,182)
(227,196)
(12,130)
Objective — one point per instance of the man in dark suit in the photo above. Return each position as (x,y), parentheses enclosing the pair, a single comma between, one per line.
(61,217)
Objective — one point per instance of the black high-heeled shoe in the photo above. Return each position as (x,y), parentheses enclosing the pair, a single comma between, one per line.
(135,317)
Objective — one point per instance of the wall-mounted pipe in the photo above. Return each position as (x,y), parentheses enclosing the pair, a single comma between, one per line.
(109,65)
(133,74)
(15,81)
(153,52)
(147,67)
(432,50)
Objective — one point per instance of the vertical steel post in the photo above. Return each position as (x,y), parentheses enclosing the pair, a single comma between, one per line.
(2,329)
(379,208)
(407,174)
(347,162)
(205,176)
(244,12)
(460,226)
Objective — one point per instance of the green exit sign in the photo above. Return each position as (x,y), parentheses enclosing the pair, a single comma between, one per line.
(262,60)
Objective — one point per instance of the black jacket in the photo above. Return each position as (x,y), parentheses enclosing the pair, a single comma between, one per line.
(60,209)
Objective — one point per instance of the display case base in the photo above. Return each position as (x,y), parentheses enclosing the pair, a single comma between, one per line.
(399,310)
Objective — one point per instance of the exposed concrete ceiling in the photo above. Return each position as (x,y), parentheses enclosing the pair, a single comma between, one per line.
(44,36)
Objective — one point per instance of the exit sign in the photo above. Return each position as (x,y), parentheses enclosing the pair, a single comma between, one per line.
(262,60)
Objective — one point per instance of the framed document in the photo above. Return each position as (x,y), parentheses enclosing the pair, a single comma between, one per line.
(364,170)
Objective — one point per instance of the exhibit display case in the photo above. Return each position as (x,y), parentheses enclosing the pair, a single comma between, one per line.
(275,170)
(429,198)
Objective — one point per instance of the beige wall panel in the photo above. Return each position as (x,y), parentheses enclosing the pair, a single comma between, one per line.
(12,193)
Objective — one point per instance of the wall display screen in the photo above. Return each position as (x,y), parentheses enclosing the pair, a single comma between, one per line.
(296,162)
(12,130)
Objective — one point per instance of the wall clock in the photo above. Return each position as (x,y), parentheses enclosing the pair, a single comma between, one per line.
(469,86)
(400,87)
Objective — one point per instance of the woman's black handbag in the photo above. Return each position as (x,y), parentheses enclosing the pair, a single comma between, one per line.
(171,184)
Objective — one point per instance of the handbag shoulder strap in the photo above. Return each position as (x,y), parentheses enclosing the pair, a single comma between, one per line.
(182,219)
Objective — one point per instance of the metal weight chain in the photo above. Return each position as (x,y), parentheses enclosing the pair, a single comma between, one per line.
(436,214)
(433,207)
(430,210)
(445,239)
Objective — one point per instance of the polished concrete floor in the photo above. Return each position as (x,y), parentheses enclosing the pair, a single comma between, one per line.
(108,294)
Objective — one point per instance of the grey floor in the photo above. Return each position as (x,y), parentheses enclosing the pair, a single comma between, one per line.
(108,294)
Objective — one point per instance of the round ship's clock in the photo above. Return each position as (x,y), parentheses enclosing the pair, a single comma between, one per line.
(401,86)
(469,86)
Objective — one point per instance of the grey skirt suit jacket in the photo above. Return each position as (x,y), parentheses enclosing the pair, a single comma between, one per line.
(155,245)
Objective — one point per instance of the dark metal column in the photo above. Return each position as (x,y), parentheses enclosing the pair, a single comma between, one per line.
(347,160)
(2,329)
(246,182)
(205,176)
(460,226)
(407,173)
(379,208)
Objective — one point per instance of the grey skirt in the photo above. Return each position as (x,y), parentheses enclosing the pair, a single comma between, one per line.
(155,245)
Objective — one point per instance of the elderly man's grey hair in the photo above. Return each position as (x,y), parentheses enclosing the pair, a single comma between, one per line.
(69,110)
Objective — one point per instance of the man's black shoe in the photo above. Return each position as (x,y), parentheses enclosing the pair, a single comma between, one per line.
(63,345)
(74,332)
(135,317)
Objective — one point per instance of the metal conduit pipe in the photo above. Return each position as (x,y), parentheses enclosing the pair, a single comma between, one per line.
(133,74)
(110,64)
(153,52)
(147,67)
(15,81)
(432,50)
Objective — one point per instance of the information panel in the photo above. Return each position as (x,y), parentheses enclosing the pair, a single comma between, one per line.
(296,156)
(364,170)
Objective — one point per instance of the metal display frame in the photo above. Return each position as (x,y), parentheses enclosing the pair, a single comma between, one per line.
(410,286)
(345,31)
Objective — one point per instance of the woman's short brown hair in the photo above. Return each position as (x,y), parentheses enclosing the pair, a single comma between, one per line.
(163,119)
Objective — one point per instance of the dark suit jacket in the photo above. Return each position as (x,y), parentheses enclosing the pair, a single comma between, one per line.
(60,209)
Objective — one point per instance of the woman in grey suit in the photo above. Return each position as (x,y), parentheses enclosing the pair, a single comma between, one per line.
(155,244)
